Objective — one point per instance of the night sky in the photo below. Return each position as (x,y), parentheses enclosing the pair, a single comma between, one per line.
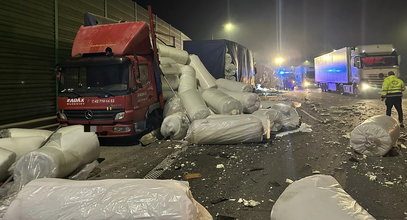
(309,28)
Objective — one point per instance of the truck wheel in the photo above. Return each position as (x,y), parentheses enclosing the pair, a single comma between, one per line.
(341,91)
(155,119)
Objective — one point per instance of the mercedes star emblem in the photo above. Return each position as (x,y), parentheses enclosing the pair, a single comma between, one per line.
(88,114)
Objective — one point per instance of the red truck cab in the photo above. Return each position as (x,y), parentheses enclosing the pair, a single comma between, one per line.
(109,84)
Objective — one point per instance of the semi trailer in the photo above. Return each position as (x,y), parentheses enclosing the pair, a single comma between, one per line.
(356,70)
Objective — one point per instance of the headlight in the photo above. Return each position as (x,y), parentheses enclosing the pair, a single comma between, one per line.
(306,84)
(62,116)
(119,116)
(121,129)
(365,86)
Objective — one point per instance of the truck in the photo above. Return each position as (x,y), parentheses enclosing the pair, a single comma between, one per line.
(304,75)
(356,70)
(111,84)
(224,59)
(286,76)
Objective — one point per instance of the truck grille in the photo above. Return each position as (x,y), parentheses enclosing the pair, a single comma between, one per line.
(97,115)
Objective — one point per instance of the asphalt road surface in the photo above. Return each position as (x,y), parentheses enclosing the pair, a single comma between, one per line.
(259,171)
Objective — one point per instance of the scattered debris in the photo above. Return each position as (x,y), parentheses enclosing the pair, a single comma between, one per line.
(303,128)
(189,176)
(389,183)
(248,203)
(270,200)
(256,169)
(220,166)
(316,172)
(219,200)
(353,159)
(289,181)
(347,136)
(403,146)
(150,138)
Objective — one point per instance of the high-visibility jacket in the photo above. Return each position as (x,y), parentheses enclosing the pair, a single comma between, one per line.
(392,86)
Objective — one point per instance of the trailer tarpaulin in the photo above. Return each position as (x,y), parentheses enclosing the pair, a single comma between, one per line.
(212,54)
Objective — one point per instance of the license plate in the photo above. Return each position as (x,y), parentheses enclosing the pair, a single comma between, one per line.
(89,128)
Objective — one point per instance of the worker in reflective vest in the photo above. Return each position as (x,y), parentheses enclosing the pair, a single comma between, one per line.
(392,91)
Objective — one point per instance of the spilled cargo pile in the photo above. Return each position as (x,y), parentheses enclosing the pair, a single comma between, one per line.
(205,110)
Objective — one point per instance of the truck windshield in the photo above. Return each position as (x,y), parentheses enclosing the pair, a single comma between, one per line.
(379,61)
(100,80)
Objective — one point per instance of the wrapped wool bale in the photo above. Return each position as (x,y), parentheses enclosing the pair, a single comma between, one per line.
(233,85)
(290,118)
(250,101)
(233,78)
(7,158)
(194,104)
(21,145)
(68,149)
(23,132)
(175,126)
(317,197)
(375,136)
(166,60)
(205,79)
(170,69)
(230,69)
(179,56)
(274,116)
(221,103)
(173,106)
(229,129)
(172,80)
(106,199)
(168,94)
(188,79)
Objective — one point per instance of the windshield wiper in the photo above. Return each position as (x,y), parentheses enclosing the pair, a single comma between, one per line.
(71,91)
(102,90)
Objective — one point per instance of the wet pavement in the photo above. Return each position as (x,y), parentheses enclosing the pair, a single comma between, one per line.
(224,174)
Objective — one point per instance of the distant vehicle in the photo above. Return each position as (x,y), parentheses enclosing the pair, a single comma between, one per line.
(304,76)
(110,85)
(286,76)
(356,70)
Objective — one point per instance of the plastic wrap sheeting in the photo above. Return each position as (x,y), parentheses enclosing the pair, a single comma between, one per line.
(44,199)
(188,79)
(170,69)
(205,79)
(168,94)
(274,116)
(172,106)
(194,104)
(290,117)
(250,101)
(21,145)
(7,158)
(233,85)
(221,103)
(317,197)
(175,126)
(23,132)
(375,136)
(68,149)
(173,80)
(233,78)
(179,56)
(226,129)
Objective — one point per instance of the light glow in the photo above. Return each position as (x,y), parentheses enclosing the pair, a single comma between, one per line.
(229,27)
(279,60)
(365,86)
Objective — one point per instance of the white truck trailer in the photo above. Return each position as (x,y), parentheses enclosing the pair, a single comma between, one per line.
(356,70)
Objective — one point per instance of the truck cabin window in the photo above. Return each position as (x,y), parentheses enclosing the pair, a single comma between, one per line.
(143,74)
(379,61)
(88,80)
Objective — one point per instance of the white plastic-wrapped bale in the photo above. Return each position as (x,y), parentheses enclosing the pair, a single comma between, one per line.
(206,80)
(274,116)
(168,94)
(290,117)
(317,197)
(194,104)
(229,129)
(21,145)
(179,56)
(175,126)
(7,158)
(170,81)
(170,69)
(23,132)
(172,106)
(68,149)
(233,85)
(187,80)
(375,136)
(250,101)
(221,103)
(49,198)
(166,60)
